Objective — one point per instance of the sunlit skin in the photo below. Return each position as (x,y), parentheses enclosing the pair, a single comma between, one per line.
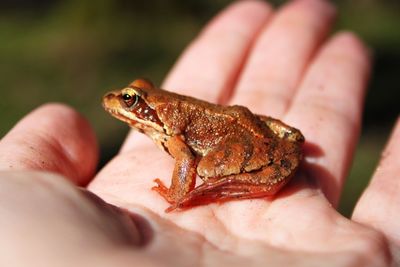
(239,155)
(58,210)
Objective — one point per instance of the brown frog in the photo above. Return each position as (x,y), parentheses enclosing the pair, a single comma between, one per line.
(238,154)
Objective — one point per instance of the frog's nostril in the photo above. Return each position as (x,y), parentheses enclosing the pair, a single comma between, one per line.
(109,95)
(109,100)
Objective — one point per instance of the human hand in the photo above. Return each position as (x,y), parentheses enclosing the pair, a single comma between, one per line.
(276,63)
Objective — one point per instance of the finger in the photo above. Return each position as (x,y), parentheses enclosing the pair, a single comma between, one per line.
(210,64)
(328,106)
(379,205)
(52,138)
(281,54)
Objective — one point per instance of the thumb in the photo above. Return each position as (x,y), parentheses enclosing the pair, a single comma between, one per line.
(54,138)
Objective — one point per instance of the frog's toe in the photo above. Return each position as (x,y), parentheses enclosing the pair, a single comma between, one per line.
(161,189)
(172,208)
(160,185)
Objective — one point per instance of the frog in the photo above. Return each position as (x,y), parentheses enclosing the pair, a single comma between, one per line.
(237,154)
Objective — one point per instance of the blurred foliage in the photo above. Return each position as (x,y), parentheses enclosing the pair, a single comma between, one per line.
(73,51)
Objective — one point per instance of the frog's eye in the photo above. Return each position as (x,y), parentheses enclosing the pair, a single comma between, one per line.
(130,100)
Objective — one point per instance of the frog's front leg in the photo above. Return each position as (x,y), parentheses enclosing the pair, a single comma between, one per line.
(184,174)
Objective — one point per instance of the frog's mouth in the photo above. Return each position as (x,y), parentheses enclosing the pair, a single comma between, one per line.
(115,113)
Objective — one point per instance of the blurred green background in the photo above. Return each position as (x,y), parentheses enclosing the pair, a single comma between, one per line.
(73,51)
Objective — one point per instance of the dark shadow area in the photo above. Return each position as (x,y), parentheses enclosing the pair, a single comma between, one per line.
(144,227)
(109,149)
(312,150)
(382,105)
(121,220)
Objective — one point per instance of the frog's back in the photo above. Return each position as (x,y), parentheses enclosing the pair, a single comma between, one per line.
(206,125)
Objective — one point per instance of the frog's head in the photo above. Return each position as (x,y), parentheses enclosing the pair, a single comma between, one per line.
(131,106)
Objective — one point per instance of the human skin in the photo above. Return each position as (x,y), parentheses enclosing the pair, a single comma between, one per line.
(277,62)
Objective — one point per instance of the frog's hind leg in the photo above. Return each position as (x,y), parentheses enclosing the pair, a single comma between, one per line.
(263,183)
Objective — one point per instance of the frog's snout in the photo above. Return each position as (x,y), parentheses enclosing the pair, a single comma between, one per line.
(108,96)
(110,100)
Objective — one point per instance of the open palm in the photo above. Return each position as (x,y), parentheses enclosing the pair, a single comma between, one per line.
(278,63)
